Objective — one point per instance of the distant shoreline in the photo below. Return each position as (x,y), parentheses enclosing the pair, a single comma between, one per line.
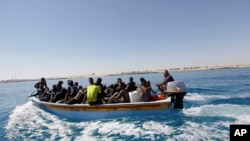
(135,72)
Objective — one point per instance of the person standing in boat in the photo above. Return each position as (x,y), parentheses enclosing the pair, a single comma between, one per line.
(92,92)
(162,86)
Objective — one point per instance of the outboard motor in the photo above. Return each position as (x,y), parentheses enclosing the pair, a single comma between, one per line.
(176,90)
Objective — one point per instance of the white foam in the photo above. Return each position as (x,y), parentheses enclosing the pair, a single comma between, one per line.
(28,122)
(192,131)
(240,112)
(121,128)
(243,119)
(203,97)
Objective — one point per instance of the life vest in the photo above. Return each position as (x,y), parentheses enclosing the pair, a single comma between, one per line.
(159,96)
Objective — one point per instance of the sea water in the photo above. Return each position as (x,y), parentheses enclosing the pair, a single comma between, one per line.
(215,100)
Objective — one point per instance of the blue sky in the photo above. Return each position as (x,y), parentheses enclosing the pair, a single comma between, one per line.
(62,37)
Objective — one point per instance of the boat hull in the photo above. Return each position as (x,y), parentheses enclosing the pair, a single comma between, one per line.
(87,112)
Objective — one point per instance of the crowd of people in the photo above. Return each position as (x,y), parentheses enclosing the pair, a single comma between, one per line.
(98,93)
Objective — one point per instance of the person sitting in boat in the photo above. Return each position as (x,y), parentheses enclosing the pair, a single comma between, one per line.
(77,86)
(48,95)
(51,93)
(131,86)
(41,87)
(119,85)
(120,97)
(162,86)
(144,90)
(102,95)
(114,87)
(60,94)
(79,96)
(71,92)
(92,92)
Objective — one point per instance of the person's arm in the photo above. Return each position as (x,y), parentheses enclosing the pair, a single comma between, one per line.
(45,91)
(45,85)
(164,82)
(66,97)
(152,90)
(84,99)
(36,85)
(149,84)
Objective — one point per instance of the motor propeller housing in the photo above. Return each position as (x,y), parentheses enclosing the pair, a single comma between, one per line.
(176,90)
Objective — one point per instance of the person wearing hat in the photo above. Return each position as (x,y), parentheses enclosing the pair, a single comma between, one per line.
(162,86)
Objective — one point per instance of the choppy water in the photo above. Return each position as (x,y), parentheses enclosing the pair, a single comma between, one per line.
(215,99)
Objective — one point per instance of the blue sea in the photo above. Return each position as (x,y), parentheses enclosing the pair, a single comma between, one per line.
(215,100)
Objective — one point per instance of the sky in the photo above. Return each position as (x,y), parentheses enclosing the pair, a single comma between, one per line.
(55,38)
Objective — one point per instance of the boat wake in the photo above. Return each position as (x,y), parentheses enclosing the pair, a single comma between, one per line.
(206,97)
(206,122)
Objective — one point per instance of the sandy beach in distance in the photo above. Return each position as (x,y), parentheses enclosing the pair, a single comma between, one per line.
(134,72)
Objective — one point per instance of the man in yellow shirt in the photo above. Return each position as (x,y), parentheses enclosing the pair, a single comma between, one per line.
(92,92)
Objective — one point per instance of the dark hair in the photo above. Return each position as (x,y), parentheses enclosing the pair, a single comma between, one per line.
(166,72)
(142,79)
(99,79)
(91,80)
(70,82)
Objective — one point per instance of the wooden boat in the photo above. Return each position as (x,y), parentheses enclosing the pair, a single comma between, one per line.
(103,111)
(87,112)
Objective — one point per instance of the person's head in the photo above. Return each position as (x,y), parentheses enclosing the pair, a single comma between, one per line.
(119,80)
(142,80)
(76,83)
(91,80)
(54,87)
(166,73)
(131,79)
(43,80)
(122,86)
(70,82)
(59,85)
(99,80)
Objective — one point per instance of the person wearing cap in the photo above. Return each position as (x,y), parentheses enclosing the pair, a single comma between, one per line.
(162,86)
